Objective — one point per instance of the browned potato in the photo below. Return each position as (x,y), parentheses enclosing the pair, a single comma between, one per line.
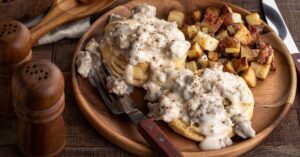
(232,18)
(250,77)
(191,66)
(213,56)
(228,67)
(191,31)
(244,35)
(246,52)
(261,70)
(222,34)
(206,41)
(195,51)
(240,64)
(230,45)
(176,16)
(253,19)
(213,11)
(197,15)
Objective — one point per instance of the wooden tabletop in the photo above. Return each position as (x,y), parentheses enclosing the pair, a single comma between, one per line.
(83,140)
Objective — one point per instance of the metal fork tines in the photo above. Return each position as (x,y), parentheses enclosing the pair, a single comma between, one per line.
(112,101)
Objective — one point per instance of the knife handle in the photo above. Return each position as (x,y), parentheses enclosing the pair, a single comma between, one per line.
(157,139)
(296,57)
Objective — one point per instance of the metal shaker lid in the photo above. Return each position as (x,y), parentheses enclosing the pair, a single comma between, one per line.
(15,42)
(37,85)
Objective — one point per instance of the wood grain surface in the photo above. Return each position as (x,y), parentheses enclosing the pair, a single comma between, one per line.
(84,141)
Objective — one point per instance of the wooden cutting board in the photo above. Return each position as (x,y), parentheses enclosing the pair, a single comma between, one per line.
(277,91)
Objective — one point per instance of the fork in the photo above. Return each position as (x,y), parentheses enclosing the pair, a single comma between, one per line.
(124,104)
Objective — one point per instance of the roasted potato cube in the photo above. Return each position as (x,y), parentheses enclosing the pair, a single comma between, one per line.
(213,11)
(228,67)
(197,15)
(191,66)
(231,29)
(206,41)
(230,45)
(235,50)
(244,36)
(203,61)
(195,51)
(191,31)
(253,19)
(250,77)
(232,18)
(222,34)
(176,16)
(240,64)
(205,30)
(261,70)
(213,56)
(236,18)
(246,52)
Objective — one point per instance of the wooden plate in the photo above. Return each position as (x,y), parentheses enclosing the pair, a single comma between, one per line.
(277,92)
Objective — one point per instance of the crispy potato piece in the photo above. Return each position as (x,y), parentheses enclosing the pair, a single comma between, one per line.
(203,61)
(191,66)
(222,34)
(195,51)
(213,11)
(197,15)
(205,30)
(232,18)
(234,50)
(191,31)
(247,52)
(261,70)
(206,41)
(253,19)
(230,45)
(231,29)
(176,16)
(240,64)
(228,67)
(213,56)
(244,35)
(250,77)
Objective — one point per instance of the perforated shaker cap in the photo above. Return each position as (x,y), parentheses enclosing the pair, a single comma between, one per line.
(37,85)
(15,42)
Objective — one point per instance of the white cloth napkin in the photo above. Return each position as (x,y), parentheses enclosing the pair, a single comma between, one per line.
(71,30)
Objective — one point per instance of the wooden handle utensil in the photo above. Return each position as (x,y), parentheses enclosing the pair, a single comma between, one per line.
(64,11)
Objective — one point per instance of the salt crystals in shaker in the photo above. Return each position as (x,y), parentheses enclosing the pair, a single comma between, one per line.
(15,49)
(39,100)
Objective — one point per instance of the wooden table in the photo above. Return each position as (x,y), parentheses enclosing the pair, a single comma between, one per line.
(83,140)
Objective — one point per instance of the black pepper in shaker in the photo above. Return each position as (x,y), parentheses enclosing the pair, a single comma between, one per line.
(39,100)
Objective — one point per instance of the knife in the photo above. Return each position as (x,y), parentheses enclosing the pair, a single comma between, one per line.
(276,22)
